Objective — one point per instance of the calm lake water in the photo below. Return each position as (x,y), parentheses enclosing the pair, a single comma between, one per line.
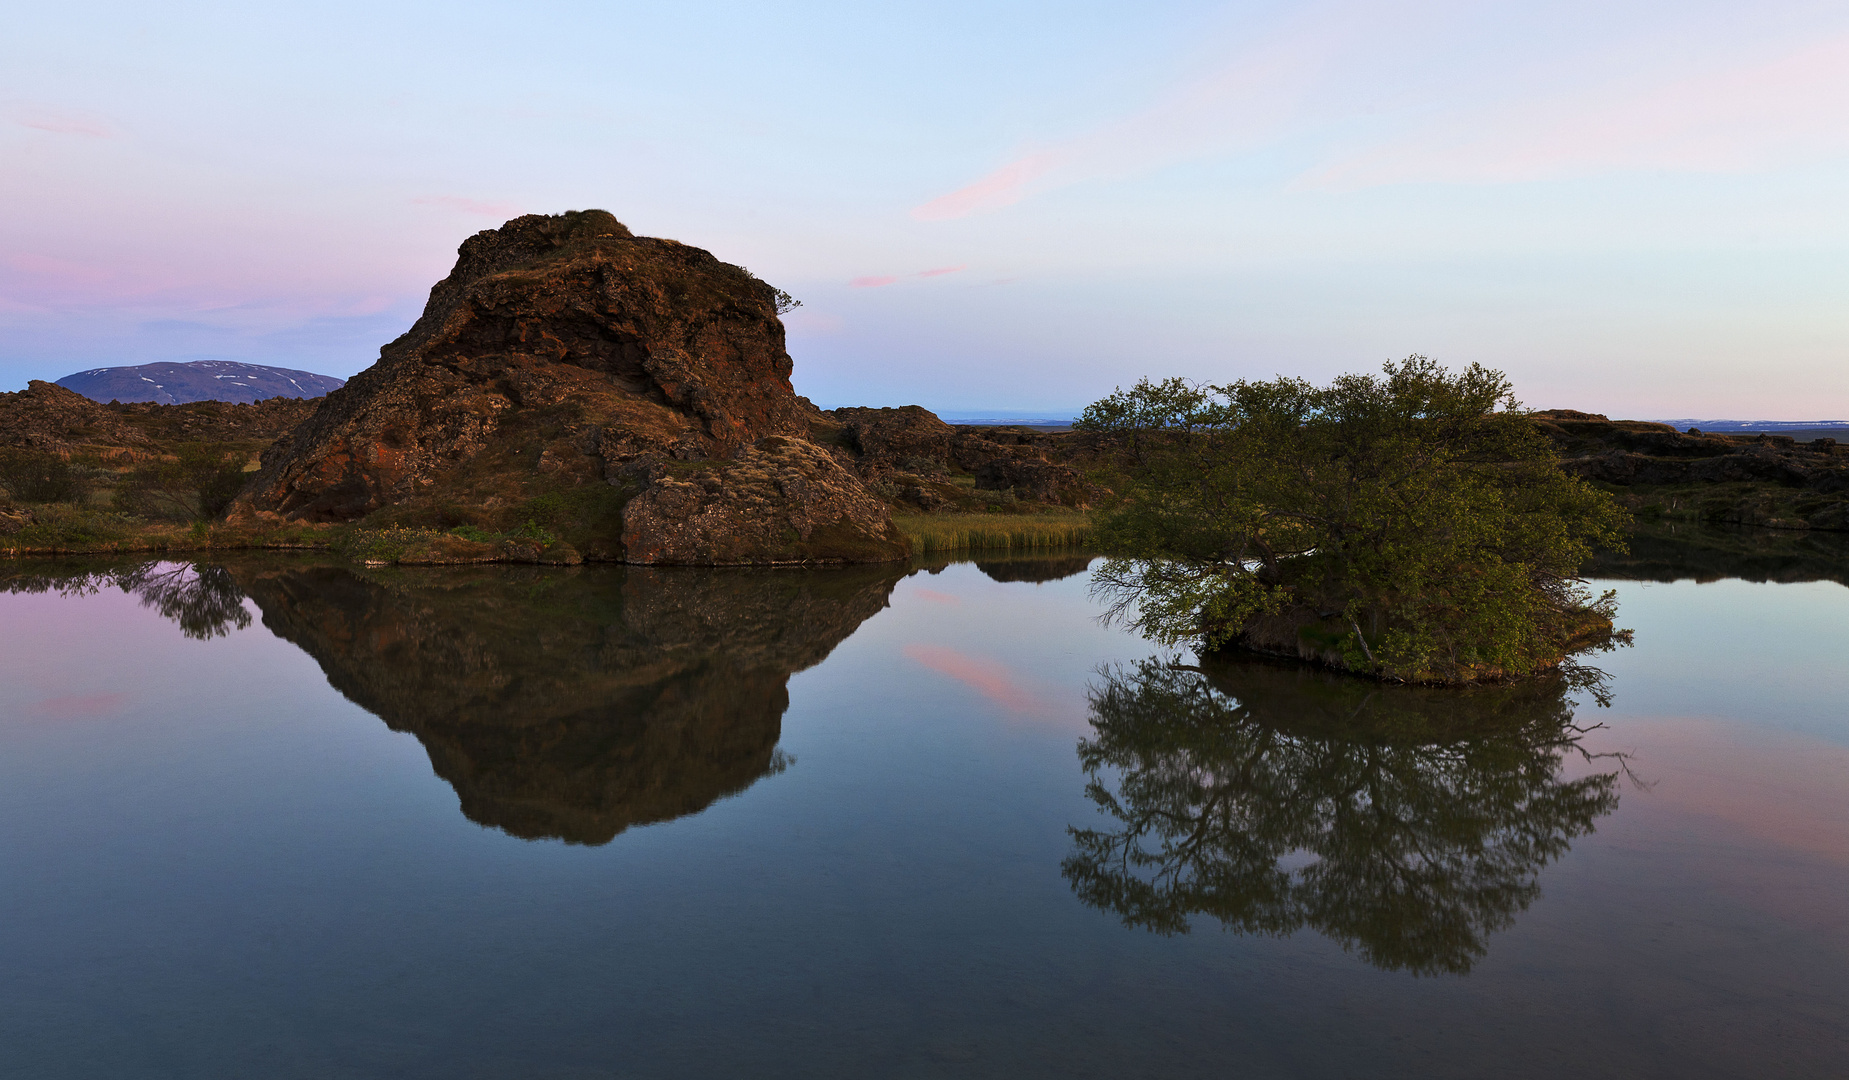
(274,818)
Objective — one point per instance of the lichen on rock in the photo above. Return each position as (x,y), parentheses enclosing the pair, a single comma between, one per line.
(783,500)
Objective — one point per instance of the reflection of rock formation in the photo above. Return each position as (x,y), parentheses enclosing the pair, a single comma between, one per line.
(1034,568)
(1679,551)
(575,705)
(1406,823)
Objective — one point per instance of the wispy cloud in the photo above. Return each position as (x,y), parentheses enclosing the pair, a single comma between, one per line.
(1566,106)
(879,281)
(1240,103)
(62,121)
(481,207)
(1730,118)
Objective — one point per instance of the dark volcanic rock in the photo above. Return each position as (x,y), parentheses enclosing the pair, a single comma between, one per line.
(200,380)
(629,696)
(566,338)
(45,416)
(909,438)
(1040,481)
(783,500)
(218,421)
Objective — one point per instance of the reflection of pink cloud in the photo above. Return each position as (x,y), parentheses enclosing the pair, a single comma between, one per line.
(468,206)
(80,706)
(874,282)
(1779,788)
(986,677)
(941,271)
(936,597)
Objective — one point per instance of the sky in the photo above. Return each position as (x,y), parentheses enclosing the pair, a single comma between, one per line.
(1635,208)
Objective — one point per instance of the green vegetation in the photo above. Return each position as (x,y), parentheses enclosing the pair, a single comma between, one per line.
(936,533)
(194,483)
(1412,526)
(35,476)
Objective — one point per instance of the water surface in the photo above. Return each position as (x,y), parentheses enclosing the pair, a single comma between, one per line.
(286,819)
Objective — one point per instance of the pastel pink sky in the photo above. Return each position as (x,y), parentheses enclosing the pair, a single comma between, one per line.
(1632,207)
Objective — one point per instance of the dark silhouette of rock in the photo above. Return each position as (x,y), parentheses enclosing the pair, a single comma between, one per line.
(573,705)
(200,380)
(1034,568)
(560,352)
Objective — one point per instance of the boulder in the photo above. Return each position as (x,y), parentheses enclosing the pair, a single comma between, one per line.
(783,500)
(1037,480)
(46,416)
(558,349)
(909,439)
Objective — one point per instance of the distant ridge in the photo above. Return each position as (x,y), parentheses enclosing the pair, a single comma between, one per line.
(200,380)
(1771,427)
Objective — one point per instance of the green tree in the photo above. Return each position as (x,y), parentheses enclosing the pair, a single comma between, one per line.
(197,482)
(38,476)
(1413,525)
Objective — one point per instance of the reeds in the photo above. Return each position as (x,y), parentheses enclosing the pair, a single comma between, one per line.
(938,533)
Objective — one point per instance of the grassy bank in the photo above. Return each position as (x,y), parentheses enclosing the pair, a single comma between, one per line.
(933,534)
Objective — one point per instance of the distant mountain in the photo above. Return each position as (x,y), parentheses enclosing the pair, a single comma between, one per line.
(1753,427)
(201,380)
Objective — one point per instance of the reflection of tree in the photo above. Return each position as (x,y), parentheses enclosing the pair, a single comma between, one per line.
(1406,823)
(204,599)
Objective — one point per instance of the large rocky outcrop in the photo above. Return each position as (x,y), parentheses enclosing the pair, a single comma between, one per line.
(561,352)
(628,696)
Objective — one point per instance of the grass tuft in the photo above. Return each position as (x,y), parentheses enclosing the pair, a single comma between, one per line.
(937,533)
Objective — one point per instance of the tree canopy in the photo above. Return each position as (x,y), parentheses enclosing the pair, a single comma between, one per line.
(1412,525)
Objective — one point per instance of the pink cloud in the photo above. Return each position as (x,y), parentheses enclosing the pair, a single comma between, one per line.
(480,207)
(882,280)
(1003,187)
(80,706)
(1729,119)
(1239,104)
(986,677)
(63,121)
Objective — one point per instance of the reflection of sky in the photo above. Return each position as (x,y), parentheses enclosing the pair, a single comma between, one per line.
(1632,205)
(234,852)
(1721,650)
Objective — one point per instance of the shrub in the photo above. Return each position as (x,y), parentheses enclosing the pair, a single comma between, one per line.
(37,476)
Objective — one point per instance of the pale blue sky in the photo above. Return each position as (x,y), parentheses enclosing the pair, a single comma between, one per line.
(1634,208)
